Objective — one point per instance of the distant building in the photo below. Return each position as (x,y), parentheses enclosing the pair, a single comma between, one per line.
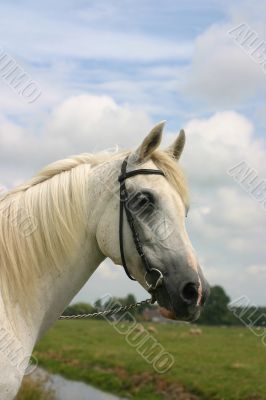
(152,314)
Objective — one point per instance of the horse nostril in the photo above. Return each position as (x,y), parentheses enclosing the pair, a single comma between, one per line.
(190,293)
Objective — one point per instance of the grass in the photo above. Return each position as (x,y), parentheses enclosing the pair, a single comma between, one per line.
(219,364)
(34,390)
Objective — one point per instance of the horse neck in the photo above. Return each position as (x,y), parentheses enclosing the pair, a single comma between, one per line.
(55,291)
(17,339)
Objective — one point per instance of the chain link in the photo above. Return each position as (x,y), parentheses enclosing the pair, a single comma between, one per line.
(107,312)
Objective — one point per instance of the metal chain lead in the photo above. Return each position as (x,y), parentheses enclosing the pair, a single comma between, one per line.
(107,312)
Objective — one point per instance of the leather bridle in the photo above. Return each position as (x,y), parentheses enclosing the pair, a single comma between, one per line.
(153,276)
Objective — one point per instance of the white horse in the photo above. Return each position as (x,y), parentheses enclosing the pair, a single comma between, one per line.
(58,227)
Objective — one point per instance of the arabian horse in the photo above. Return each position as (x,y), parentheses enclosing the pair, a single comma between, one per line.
(58,227)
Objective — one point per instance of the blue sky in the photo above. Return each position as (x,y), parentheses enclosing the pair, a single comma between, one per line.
(144,61)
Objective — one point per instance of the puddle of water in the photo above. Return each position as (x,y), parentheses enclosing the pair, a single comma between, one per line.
(65,389)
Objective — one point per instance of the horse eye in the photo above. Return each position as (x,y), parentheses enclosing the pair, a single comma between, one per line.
(141,201)
(145,199)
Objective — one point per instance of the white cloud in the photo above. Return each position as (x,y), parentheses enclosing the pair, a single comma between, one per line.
(217,143)
(81,119)
(80,124)
(259,270)
(221,72)
(109,271)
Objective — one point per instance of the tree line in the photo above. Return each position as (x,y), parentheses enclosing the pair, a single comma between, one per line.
(218,310)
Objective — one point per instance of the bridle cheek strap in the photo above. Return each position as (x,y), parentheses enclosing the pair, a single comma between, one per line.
(152,273)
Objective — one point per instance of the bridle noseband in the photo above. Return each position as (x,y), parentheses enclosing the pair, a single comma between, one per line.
(153,276)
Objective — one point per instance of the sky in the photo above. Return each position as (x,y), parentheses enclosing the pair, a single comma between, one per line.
(107,71)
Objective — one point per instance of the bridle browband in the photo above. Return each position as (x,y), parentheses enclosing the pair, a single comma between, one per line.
(153,276)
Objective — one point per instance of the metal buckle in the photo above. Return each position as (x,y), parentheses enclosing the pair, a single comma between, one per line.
(159,281)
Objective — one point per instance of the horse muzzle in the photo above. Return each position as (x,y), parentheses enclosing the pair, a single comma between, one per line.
(182,300)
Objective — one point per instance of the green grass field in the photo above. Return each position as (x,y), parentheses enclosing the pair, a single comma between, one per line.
(221,363)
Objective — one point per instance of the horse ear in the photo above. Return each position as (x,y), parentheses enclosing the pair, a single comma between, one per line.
(176,149)
(149,144)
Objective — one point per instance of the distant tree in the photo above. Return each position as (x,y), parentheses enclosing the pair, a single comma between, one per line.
(116,302)
(216,310)
(98,304)
(130,299)
(79,308)
(251,316)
